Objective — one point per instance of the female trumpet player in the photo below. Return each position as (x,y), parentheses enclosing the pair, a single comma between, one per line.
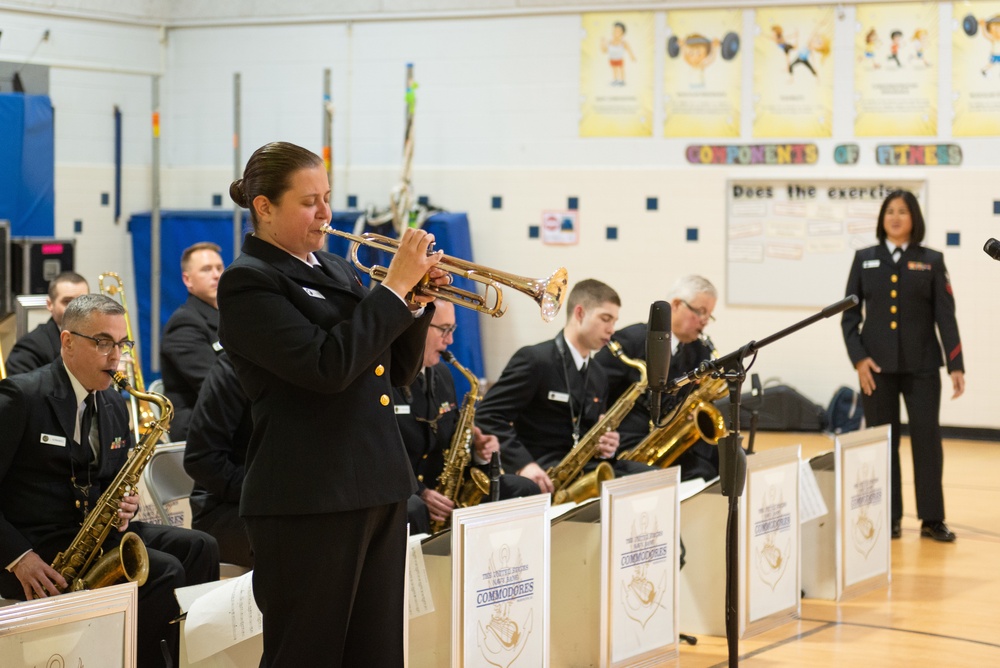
(327,477)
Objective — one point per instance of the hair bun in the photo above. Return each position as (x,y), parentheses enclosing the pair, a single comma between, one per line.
(238,193)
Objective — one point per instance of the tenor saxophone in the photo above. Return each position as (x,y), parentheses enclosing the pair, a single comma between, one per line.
(451,483)
(567,483)
(82,564)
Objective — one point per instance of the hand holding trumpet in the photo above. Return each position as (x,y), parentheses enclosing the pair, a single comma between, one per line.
(411,264)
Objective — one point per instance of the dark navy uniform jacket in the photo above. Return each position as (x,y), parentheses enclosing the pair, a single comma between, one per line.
(902,303)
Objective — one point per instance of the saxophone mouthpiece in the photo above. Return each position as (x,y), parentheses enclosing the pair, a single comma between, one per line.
(447,356)
(119,379)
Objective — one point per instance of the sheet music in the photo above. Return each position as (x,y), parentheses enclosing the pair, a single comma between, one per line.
(811,503)
(420,601)
(221,618)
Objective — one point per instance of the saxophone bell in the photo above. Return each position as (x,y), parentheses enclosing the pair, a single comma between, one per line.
(128,561)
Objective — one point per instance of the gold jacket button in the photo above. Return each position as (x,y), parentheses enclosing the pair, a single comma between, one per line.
(384,400)
(894,278)
(892,325)
(424,457)
(420,477)
(379,370)
(892,309)
(893,294)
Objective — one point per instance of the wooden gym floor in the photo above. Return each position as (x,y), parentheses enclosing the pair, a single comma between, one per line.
(942,607)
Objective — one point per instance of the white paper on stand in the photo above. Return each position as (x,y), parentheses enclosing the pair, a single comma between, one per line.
(221,618)
(420,601)
(811,503)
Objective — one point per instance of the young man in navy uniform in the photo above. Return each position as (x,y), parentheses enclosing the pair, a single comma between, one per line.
(550,394)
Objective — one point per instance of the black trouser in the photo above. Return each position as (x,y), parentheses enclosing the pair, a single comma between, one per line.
(922,394)
(224,523)
(330,587)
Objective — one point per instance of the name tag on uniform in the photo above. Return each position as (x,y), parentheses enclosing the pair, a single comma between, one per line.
(869,264)
(313,293)
(217,346)
(402,409)
(52,439)
(559,396)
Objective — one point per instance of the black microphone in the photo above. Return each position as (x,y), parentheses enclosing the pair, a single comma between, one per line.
(992,249)
(657,355)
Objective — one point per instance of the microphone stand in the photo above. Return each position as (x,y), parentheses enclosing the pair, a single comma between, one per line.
(732,458)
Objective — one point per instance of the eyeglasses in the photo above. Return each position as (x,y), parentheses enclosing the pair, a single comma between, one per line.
(445,329)
(701,313)
(104,346)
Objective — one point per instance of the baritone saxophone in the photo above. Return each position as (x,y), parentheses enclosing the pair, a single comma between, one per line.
(452,483)
(82,563)
(696,419)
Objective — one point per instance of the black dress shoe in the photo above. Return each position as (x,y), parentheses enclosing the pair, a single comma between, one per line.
(937,531)
(897,529)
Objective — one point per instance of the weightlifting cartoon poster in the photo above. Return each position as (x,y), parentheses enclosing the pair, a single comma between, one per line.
(616,75)
(702,73)
(975,48)
(895,69)
(793,72)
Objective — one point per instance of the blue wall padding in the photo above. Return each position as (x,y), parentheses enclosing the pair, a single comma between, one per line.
(179,229)
(27,165)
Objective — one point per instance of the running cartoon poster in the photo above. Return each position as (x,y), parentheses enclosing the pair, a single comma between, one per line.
(702,73)
(793,72)
(975,48)
(896,69)
(616,75)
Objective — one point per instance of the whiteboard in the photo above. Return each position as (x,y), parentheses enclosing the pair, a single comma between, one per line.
(791,242)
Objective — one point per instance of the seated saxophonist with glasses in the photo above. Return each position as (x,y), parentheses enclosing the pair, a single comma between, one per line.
(429,416)
(692,300)
(65,438)
(551,394)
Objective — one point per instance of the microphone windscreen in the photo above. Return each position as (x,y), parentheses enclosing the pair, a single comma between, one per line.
(658,345)
(992,249)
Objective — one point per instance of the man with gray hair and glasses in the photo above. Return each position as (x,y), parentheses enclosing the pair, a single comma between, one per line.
(65,437)
(692,301)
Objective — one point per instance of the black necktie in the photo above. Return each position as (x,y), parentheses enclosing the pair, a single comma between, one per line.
(88,426)
(896,254)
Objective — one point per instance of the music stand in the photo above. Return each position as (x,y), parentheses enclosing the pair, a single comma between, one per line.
(732,458)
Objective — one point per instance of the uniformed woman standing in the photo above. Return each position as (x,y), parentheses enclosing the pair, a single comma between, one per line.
(327,478)
(905,291)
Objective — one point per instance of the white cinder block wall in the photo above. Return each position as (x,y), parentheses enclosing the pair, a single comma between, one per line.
(497,111)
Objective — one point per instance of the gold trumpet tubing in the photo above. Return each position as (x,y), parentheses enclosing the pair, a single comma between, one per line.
(75,562)
(569,469)
(549,293)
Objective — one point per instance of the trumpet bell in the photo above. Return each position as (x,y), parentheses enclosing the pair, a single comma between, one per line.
(552,293)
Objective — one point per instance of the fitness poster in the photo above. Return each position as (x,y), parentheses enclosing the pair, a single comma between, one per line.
(793,72)
(702,73)
(616,75)
(896,69)
(975,48)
